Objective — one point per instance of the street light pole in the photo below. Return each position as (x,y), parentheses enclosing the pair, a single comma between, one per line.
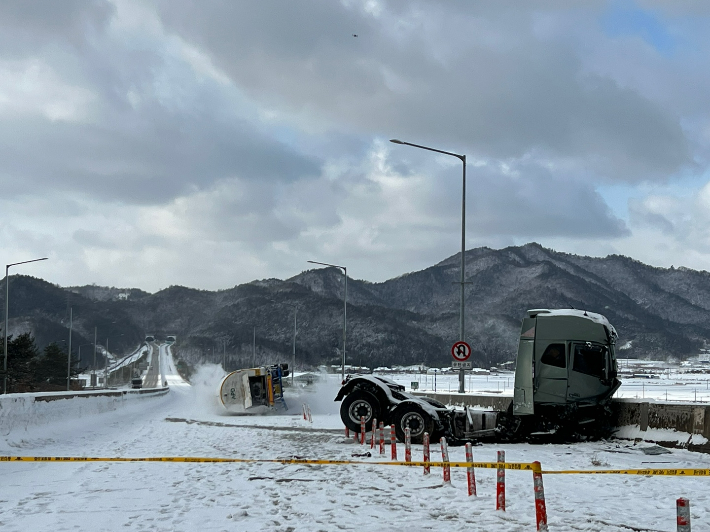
(345,307)
(293,368)
(7,311)
(94,378)
(71,316)
(462,331)
(106,366)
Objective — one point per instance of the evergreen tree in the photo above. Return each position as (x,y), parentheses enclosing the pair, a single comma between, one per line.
(49,371)
(20,353)
(51,367)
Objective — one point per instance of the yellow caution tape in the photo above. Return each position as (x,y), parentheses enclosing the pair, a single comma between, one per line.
(520,466)
(645,472)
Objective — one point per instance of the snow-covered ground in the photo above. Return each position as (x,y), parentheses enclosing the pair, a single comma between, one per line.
(115,496)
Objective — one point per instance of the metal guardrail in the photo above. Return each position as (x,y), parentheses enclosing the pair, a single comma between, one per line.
(56,396)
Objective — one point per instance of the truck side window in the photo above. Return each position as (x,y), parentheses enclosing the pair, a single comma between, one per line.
(590,359)
(554,355)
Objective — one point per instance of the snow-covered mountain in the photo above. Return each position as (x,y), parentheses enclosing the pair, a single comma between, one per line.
(410,319)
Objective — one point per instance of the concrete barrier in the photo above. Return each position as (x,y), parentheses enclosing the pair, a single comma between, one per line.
(25,410)
(687,419)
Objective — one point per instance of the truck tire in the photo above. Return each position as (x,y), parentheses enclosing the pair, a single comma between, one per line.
(413,416)
(359,403)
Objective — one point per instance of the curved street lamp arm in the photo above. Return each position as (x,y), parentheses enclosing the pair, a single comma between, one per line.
(326,264)
(397,141)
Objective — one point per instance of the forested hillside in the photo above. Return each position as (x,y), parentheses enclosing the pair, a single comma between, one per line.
(411,319)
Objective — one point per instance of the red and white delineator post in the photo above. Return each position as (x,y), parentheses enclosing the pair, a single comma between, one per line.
(305,417)
(362,430)
(445,459)
(407,444)
(347,433)
(500,482)
(425,441)
(683,514)
(540,509)
(470,474)
(373,435)
(382,437)
(393,443)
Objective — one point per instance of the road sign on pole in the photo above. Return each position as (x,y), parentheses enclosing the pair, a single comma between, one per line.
(461,351)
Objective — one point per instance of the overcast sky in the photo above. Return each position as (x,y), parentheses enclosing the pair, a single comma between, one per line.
(210,143)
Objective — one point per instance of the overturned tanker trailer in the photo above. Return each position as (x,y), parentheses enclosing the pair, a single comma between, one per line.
(565,376)
(247,389)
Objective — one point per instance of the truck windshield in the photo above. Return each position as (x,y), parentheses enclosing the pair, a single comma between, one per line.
(590,359)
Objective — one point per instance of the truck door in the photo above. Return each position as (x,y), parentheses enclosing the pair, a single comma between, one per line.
(525,370)
(551,378)
(590,370)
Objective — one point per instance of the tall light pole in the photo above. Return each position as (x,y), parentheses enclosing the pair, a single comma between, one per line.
(345,307)
(71,317)
(94,378)
(293,366)
(7,311)
(462,335)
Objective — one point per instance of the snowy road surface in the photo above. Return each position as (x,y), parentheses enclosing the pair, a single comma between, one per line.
(114,496)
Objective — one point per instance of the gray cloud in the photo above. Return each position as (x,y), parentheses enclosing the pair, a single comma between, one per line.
(642,217)
(537,203)
(517,199)
(26,25)
(142,155)
(503,98)
(254,134)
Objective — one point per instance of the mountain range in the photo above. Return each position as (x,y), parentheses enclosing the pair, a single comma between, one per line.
(411,319)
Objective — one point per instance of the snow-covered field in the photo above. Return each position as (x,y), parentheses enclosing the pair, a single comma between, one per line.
(115,496)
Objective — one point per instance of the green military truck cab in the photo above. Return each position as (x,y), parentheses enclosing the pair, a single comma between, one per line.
(565,358)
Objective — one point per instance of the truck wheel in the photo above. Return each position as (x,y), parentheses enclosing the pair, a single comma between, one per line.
(413,416)
(357,404)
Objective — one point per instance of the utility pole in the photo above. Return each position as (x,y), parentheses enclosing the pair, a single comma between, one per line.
(106,366)
(94,377)
(293,369)
(69,354)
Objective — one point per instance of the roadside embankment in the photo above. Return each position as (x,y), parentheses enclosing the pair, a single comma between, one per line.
(26,410)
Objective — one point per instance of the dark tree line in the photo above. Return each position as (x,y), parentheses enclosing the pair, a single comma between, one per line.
(29,370)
